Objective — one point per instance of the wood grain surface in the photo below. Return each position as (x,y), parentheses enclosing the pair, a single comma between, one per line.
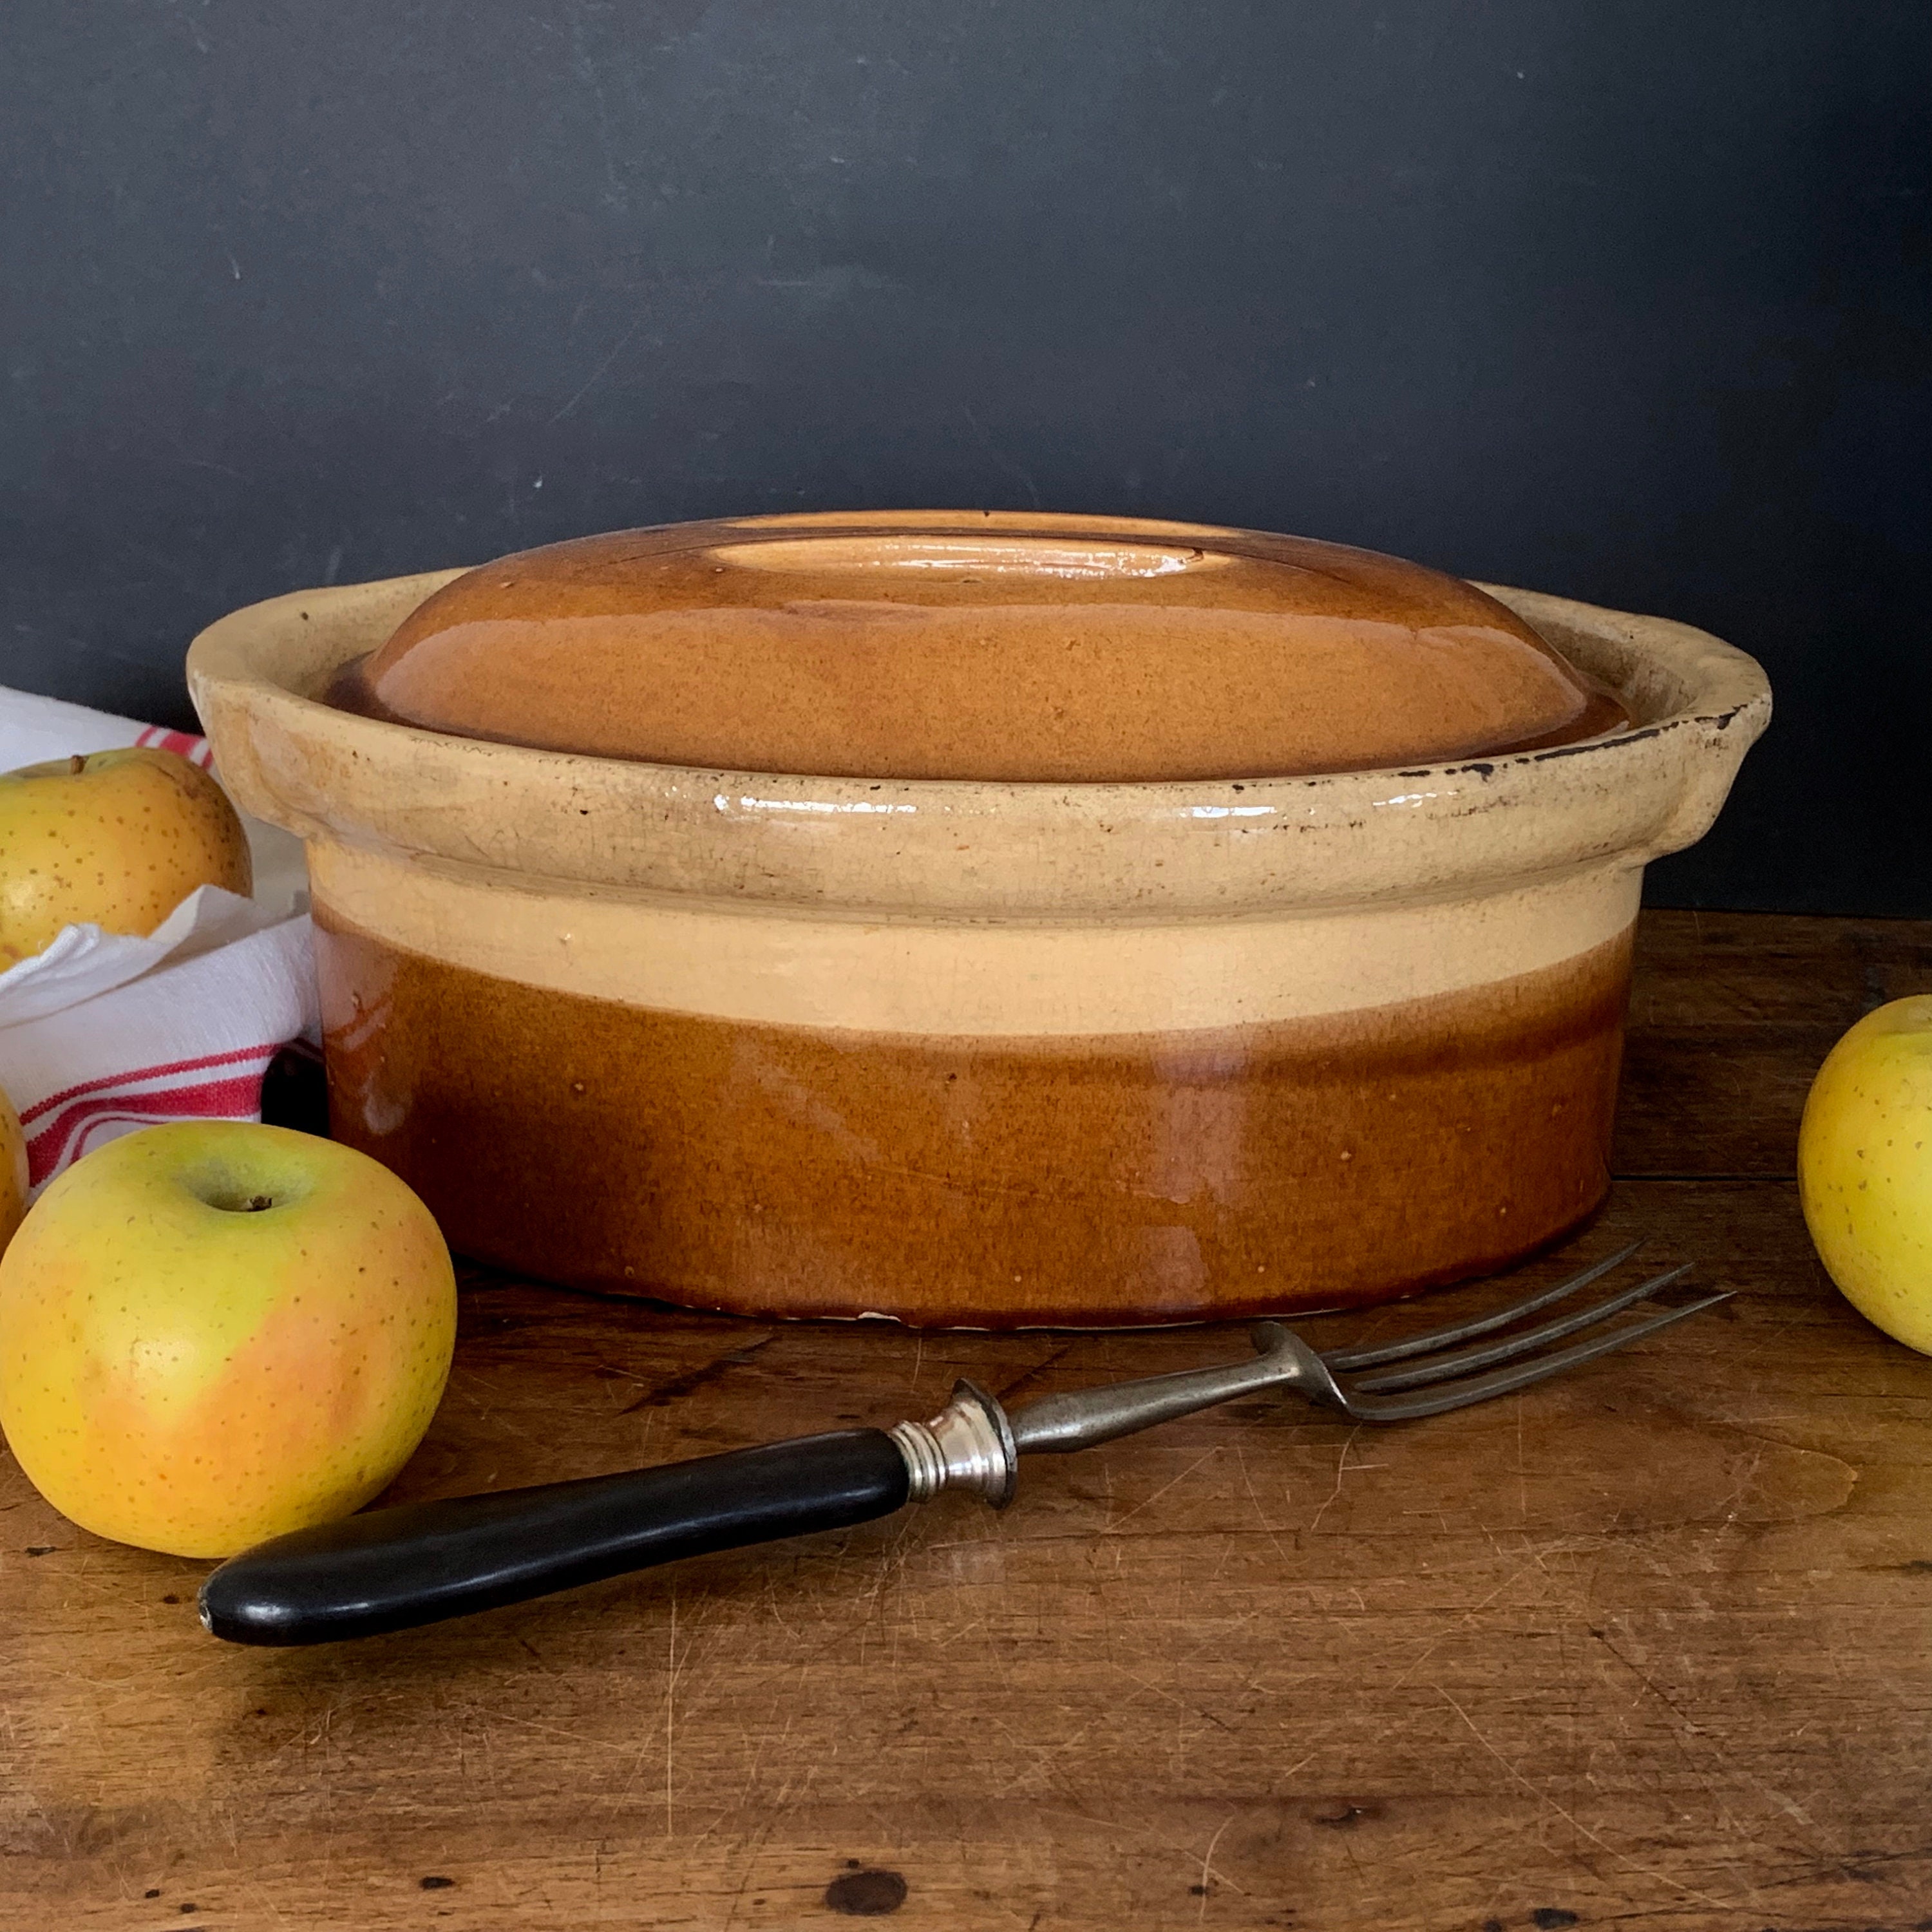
(1650,1644)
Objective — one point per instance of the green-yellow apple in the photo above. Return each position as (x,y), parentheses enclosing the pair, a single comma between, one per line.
(212,1332)
(13,1171)
(115,839)
(1865,1167)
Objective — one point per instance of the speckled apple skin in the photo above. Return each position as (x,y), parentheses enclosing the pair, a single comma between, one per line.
(13,1171)
(191,1379)
(1865,1168)
(118,843)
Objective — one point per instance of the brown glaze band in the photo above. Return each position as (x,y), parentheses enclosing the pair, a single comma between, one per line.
(1004,1183)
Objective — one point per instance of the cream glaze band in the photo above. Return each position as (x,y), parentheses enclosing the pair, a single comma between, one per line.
(768,965)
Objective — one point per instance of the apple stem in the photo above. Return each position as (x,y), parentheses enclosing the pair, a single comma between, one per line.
(76,763)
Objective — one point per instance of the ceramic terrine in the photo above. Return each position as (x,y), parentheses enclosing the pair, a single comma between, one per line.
(994,921)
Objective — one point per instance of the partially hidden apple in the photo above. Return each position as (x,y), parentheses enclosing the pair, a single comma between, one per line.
(13,1171)
(115,839)
(212,1332)
(1865,1167)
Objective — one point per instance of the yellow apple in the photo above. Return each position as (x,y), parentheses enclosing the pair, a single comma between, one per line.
(212,1332)
(13,1171)
(1865,1168)
(115,839)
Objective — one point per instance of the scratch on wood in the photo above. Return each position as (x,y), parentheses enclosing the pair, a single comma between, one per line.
(1146,1501)
(670,1389)
(1053,1356)
(1575,1824)
(1342,1469)
(1247,1483)
(671,1706)
(1208,1871)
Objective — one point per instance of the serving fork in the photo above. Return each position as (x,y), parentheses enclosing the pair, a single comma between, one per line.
(391,1569)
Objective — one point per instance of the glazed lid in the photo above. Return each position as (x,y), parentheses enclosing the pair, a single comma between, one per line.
(998,646)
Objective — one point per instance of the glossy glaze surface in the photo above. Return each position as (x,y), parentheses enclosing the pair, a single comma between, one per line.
(976,1052)
(985,1181)
(1000,647)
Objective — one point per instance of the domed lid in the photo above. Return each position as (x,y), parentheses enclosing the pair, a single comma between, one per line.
(954,645)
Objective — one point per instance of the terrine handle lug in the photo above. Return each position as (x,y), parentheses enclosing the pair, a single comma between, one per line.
(391,1569)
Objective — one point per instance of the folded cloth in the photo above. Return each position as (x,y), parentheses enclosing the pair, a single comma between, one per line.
(102,1033)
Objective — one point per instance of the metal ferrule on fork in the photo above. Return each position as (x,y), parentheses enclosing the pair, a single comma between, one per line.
(967,1445)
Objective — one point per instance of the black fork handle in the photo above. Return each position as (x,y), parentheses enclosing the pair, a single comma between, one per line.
(391,1569)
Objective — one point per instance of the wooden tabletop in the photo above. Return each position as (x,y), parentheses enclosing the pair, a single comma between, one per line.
(1651,1643)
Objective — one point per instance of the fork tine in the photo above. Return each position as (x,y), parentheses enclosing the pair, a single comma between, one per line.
(1345,1361)
(1446,1396)
(1466,1361)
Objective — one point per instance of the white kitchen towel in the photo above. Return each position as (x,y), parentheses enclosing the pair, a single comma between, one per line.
(102,1033)
(33,729)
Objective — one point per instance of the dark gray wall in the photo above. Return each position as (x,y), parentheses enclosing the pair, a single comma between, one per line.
(1625,300)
